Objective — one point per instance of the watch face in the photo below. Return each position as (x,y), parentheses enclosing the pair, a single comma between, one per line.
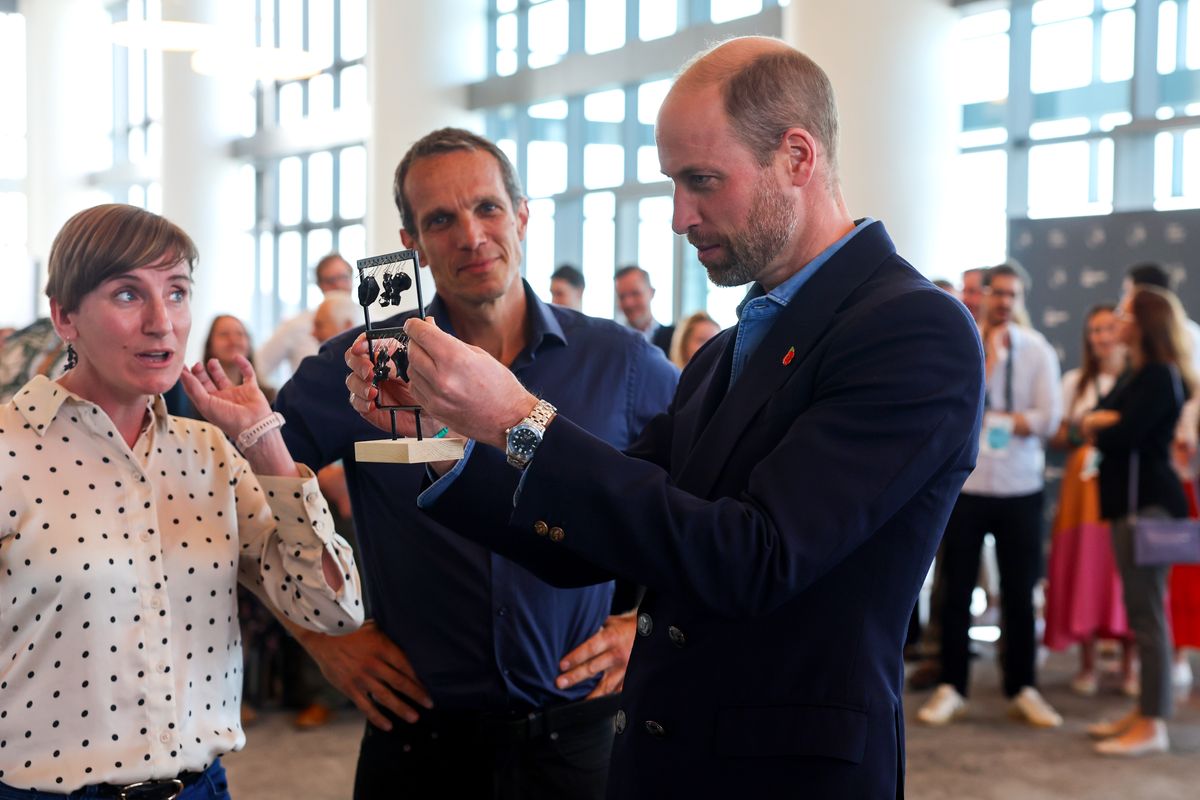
(522,442)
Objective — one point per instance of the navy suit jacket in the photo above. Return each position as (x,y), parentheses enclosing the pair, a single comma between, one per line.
(782,526)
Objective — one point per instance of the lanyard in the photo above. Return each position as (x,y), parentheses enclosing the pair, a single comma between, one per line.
(1008,386)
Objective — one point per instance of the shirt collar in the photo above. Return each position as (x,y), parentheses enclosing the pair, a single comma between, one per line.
(39,402)
(543,324)
(785,292)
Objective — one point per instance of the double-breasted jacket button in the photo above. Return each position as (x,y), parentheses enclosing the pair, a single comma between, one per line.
(644,624)
(654,729)
(619,721)
(676,636)
(556,534)
(541,528)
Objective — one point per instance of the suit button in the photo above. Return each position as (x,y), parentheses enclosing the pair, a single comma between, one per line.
(644,624)
(556,534)
(654,729)
(676,636)
(541,528)
(619,721)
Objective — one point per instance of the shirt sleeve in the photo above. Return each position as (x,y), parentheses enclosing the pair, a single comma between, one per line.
(285,527)
(1047,409)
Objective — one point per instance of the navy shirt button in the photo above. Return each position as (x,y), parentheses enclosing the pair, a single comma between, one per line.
(644,624)
(619,721)
(676,636)
(654,729)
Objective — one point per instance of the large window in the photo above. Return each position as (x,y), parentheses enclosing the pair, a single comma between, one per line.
(586,153)
(18,300)
(1074,107)
(133,174)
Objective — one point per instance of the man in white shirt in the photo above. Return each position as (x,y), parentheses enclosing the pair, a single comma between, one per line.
(1003,496)
(293,340)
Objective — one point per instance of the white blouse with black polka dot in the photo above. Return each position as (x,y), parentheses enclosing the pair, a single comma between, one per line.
(120,653)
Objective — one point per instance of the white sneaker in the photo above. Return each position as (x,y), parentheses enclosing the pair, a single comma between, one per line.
(1158,742)
(1181,674)
(1031,707)
(944,707)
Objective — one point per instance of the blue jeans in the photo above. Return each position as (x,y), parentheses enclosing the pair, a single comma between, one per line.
(211,786)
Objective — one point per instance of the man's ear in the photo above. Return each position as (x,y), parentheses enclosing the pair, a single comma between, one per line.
(411,243)
(64,323)
(522,211)
(800,152)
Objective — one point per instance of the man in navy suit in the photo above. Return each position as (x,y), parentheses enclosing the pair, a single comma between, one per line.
(784,511)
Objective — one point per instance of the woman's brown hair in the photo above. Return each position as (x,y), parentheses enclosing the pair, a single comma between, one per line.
(104,241)
(1163,338)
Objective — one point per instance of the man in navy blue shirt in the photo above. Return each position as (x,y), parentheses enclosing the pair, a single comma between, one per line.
(478,679)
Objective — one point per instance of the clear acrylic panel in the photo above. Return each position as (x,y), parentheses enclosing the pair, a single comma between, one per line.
(648,166)
(320,187)
(291,103)
(320,31)
(354,87)
(547,168)
(656,253)
(656,20)
(354,29)
(352,179)
(290,190)
(650,96)
(599,252)
(320,95)
(1116,45)
(547,33)
(352,242)
(725,10)
(1061,56)
(604,25)
(539,246)
(606,106)
(291,271)
(603,165)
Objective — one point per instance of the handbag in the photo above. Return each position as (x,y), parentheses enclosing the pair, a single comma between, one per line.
(1161,542)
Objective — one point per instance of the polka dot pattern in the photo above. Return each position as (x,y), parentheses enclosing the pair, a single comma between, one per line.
(121,655)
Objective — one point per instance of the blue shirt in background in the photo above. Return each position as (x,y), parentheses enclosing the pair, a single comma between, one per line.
(480,631)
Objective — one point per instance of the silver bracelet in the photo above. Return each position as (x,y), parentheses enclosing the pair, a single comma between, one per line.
(247,438)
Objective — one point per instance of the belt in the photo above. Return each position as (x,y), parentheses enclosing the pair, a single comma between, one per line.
(511,726)
(157,789)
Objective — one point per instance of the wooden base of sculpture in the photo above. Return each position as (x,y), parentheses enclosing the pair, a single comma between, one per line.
(409,451)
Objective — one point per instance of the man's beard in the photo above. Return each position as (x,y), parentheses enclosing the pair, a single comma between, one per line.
(772,220)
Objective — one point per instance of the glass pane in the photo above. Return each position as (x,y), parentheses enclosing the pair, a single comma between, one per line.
(291,271)
(320,187)
(656,20)
(237,295)
(137,85)
(352,242)
(291,104)
(656,253)
(1062,56)
(509,148)
(154,142)
(552,109)
(649,170)
(241,199)
(1193,35)
(154,197)
(266,260)
(1055,128)
(290,180)
(154,76)
(320,244)
(547,173)
(1168,30)
(1059,179)
(983,24)
(599,252)
(354,29)
(352,191)
(320,30)
(506,62)
(725,10)
(354,87)
(650,98)
(722,301)
(504,6)
(981,73)
(1191,164)
(604,25)
(547,33)
(539,247)
(1057,10)
(978,233)
(266,25)
(603,165)
(1116,46)
(137,196)
(320,95)
(12,66)
(506,32)
(12,157)
(608,106)
(291,23)
(137,145)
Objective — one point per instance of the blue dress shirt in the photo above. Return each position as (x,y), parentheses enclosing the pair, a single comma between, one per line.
(481,632)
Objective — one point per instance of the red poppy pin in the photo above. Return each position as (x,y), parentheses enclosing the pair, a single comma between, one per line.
(787,358)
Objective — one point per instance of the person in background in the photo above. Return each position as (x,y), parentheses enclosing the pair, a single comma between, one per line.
(566,287)
(946,286)
(973,293)
(126,530)
(293,341)
(634,294)
(33,350)
(690,335)
(1083,590)
(1133,428)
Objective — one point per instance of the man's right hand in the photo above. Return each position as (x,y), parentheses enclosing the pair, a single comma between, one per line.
(371,670)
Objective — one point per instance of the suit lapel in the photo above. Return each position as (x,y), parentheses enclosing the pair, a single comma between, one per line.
(727,411)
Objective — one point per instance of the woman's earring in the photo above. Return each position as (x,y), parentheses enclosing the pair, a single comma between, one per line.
(72,357)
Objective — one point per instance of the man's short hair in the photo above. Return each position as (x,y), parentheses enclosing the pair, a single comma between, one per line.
(980,271)
(630,270)
(1009,267)
(328,259)
(450,140)
(572,276)
(1149,274)
(770,93)
(944,284)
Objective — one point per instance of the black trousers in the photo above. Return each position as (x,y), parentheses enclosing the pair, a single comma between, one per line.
(470,755)
(1016,524)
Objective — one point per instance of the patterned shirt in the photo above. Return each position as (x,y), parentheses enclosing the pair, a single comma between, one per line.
(120,655)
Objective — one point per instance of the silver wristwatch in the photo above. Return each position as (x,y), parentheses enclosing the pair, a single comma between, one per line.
(523,438)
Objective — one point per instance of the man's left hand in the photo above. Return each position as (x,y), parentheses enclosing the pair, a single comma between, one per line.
(607,652)
(463,386)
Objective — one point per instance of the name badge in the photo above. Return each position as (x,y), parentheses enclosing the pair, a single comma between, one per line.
(996,435)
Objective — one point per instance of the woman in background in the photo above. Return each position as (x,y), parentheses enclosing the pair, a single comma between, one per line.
(690,335)
(1133,428)
(1083,591)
